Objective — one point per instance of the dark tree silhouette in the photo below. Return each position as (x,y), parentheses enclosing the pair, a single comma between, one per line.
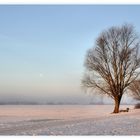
(112,65)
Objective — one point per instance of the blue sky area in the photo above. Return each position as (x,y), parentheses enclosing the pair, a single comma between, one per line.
(42,48)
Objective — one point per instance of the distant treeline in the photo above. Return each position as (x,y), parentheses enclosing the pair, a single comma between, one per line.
(36,103)
(19,103)
(53,103)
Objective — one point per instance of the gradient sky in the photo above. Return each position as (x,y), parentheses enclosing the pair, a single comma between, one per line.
(42,48)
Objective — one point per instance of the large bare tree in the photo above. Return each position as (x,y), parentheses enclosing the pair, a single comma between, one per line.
(112,64)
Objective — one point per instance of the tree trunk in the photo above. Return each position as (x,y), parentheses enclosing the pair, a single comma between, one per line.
(117,105)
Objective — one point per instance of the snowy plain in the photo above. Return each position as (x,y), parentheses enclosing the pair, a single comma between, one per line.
(68,120)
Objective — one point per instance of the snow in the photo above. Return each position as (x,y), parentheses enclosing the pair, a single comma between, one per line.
(68,120)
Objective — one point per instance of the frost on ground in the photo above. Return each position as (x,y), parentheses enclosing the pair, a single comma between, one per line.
(68,120)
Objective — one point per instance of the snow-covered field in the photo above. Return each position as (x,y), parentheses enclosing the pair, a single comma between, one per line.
(68,120)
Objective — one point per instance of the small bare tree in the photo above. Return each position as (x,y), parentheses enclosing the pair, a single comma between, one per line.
(112,65)
(135,89)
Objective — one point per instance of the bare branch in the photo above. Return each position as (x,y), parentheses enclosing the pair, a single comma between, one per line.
(135,89)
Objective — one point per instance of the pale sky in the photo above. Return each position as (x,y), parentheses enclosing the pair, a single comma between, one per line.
(42,48)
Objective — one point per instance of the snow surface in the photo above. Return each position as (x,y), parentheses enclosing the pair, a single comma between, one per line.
(68,120)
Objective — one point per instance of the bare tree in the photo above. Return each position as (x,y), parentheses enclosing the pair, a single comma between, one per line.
(112,65)
(135,89)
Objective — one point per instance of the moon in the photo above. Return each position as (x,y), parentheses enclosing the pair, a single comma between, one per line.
(41,75)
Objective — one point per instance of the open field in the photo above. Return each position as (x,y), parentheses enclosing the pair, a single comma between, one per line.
(68,120)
